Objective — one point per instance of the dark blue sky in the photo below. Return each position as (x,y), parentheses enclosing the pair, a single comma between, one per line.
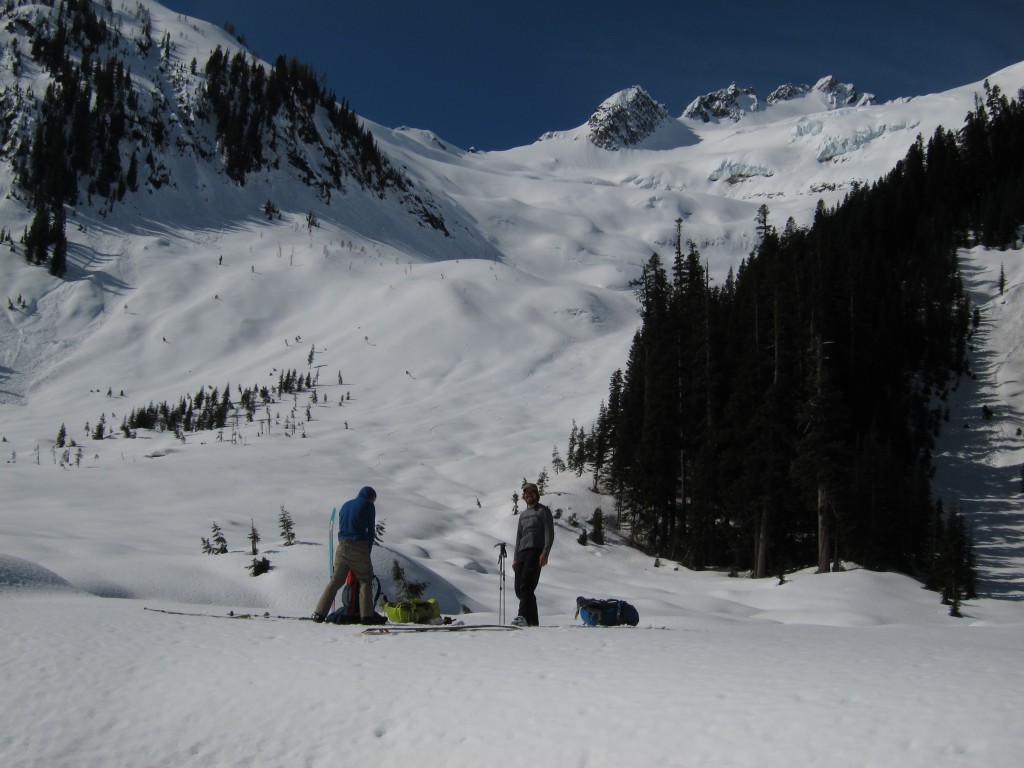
(493,75)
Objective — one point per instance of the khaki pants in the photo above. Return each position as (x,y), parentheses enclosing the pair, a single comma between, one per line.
(354,556)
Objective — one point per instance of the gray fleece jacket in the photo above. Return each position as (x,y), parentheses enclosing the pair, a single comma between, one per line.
(536,530)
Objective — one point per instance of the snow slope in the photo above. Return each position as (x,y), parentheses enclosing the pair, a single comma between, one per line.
(448,370)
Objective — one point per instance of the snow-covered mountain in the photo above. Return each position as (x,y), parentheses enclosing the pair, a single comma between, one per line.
(446,364)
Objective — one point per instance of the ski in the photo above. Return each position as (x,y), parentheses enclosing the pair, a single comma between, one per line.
(395,629)
(228,615)
(330,549)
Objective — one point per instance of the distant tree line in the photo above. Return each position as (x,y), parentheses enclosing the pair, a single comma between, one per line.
(787,417)
(210,410)
(204,411)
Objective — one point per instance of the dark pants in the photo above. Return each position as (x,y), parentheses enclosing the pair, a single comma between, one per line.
(527,578)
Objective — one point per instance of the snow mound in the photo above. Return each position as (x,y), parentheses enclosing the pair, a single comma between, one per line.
(16,573)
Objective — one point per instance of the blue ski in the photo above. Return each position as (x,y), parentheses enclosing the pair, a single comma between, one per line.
(330,549)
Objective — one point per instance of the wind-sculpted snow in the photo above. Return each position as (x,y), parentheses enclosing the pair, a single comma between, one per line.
(734,172)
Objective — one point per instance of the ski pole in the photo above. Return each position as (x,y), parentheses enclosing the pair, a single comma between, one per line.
(502,555)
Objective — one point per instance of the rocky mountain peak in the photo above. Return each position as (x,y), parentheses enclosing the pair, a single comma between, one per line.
(842,94)
(625,119)
(834,93)
(726,104)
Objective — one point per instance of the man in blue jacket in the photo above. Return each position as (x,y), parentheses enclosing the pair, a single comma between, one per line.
(357,524)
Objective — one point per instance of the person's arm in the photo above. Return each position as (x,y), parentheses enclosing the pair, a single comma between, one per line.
(515,550)
(371,518)
(549,535)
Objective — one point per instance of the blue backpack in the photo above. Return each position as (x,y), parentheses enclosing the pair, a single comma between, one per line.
(606,613)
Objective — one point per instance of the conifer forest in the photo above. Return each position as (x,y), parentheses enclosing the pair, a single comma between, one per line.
(787,416)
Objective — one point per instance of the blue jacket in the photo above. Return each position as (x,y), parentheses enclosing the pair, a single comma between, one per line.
(357,520)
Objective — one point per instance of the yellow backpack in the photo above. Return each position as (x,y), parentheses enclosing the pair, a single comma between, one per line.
(417,611)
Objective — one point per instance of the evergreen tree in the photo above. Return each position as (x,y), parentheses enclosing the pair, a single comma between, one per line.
(59,257)
(259,567)
(653,472)
(132,178)
(597,527)
(407,590)
(571,453)
(579,461)
(287,527)
(220,543)
(556,461)
(956,559)
(216,544)
(254,539)
(37,237)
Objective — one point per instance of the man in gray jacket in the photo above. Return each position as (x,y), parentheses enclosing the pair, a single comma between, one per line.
(534,538)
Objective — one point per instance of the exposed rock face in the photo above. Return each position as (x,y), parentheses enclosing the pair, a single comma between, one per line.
(727,104)
(732,103)
(842,94)
(626,119)
(835,94)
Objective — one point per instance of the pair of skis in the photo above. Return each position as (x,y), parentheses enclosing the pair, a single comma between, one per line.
(384,629)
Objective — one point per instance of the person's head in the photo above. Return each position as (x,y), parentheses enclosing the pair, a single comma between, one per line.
(531,494)
(366,492)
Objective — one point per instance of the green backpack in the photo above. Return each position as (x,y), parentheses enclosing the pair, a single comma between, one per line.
(417,611)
